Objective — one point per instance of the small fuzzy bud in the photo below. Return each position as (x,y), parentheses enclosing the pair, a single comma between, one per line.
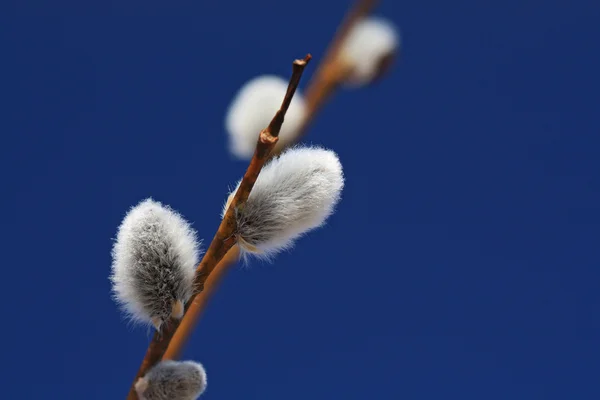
(172,380)
(294,193)
(369,49)
(252,109)
(154,261)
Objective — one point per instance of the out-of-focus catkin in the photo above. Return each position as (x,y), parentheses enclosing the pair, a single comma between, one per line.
(172,380)
(252,109)
(368,49)
(154,258)
(294,193)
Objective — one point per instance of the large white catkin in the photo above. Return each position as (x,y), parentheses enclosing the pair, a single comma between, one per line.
(154,258)
(172,380)
(252,109)
(293,194)
(369,42)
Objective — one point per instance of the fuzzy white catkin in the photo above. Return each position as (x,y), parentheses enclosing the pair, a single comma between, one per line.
(368,43)
(172,380)
(293,194)
(252,109)
(154,258)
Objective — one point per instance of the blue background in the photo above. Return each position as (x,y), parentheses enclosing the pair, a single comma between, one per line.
(462,262)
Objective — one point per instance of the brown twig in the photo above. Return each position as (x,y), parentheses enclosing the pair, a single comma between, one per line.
(225,237)
(328,75)
(199,305)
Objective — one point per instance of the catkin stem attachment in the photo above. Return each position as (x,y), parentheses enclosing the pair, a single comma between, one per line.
(328,76)
(225,237)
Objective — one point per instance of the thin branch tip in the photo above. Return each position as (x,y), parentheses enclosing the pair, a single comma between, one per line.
(303,61)
(277,121)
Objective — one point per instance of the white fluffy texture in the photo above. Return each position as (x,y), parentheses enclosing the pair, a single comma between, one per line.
(154,261)
(293,194)
(367,44)
(173,380)
(253,108)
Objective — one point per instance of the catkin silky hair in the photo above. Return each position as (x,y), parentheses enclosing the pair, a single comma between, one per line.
(369,43)
(294,194)
(172,380)
(154,258)
(252,109)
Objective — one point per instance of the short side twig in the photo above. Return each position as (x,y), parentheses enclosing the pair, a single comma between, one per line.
(225,238)
(323,83)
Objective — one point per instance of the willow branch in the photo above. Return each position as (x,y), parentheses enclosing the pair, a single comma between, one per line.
(330,72)
(225,237)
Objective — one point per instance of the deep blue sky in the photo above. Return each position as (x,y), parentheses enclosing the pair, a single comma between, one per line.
(462,262)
